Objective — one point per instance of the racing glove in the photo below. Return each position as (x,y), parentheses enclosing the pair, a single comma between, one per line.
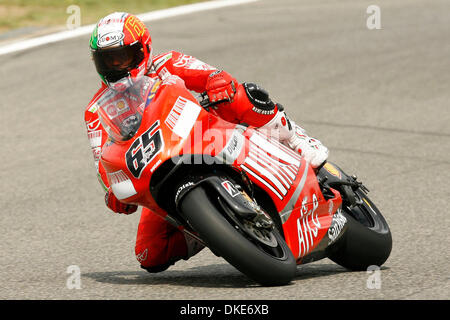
(119,207)
(220,85)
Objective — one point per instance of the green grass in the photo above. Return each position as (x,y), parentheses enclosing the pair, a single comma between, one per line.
(47,13)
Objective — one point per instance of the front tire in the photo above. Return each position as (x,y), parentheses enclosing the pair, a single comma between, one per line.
(367,240)
(267,267)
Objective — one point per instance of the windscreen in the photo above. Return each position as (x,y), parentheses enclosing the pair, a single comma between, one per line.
(121,112)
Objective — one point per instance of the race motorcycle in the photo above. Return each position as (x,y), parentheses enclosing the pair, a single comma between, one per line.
(247,197)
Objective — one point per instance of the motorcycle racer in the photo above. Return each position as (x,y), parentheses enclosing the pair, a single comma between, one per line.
(121,48)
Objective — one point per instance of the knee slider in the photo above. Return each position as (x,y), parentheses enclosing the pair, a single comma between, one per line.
(157,268)
(259,98)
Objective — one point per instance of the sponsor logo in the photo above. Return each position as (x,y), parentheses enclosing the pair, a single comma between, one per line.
(110,38)
(95,138)
(182,117)
(332,169)
(120,105)
(93,108)
(184,186)
(117,108)
(142,256)
(164,73)
(170,79)
(215,73)
(264,112)
(229,187)
(175,113)
(93,125)
(273,164)
(97,152)
(113,18)
(330,207)
(161,60)
(111,111)
(233,147)
(189,62)
(308,226)
(156,165)
(121,185)
(337,224)
(152,93)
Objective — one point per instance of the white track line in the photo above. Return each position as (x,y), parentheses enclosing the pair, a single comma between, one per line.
(149,16)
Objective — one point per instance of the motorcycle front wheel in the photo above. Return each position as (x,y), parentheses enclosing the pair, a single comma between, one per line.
(367,240)
(265,259)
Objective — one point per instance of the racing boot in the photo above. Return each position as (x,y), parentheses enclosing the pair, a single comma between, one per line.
(292,135)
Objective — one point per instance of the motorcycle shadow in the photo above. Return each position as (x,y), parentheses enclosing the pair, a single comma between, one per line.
(208,276)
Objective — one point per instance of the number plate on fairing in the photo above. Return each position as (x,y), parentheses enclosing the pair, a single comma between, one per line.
(144,149)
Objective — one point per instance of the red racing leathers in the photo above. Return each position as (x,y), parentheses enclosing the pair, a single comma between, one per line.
(158,243)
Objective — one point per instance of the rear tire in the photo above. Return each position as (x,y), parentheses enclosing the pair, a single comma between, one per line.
(276,266)
(367,240)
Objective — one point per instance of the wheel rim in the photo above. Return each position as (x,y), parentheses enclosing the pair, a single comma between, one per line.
(264,239)
(264,236)
(361,212)
(367,214)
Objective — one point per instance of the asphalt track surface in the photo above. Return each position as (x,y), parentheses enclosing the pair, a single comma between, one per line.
(379,99)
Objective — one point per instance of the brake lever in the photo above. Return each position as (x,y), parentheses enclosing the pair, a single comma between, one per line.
(204,102)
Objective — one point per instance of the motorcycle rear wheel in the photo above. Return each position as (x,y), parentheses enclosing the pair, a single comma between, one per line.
(367,240)
(260,261)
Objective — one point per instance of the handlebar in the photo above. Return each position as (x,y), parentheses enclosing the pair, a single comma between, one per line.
(205,103)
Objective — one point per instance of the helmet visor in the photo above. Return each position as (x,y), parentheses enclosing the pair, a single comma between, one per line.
(115,63)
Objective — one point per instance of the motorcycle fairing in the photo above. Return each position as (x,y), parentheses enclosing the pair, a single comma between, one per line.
(184,128)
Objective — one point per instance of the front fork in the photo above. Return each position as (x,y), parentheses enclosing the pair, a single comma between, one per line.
(331,176)
(236,204)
